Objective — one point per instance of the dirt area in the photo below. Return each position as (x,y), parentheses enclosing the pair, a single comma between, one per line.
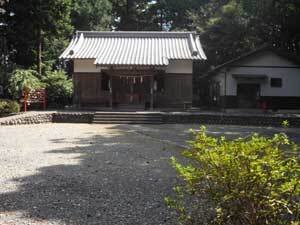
(94,174)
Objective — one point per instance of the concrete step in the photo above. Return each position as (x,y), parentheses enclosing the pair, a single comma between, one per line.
(129,113)
(127,118)
(127,122)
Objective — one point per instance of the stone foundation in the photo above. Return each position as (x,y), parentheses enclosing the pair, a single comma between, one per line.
(41,117)
(196,118)
(246,120)
(72,117)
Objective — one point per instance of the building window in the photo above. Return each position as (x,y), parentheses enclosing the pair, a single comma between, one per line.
(276,82)
(105,82)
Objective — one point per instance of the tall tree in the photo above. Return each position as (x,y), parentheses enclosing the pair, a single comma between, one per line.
(131,14)
(231,27)
(34,24)
(224,30)
(276,21)
(174,13)
(92,14)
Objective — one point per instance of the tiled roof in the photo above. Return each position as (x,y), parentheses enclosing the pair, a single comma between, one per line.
(134,48)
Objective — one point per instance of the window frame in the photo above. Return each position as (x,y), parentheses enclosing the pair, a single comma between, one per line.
(278,82)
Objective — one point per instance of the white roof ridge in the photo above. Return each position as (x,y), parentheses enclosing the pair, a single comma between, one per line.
(153,34)
(162,32)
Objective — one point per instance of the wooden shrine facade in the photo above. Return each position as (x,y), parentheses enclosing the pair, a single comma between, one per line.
(145,89)
(145,69)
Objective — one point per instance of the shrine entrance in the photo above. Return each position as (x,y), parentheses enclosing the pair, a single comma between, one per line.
(131,90)
(132,87)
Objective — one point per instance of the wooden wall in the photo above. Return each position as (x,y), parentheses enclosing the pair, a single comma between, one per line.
(87,90)
(178,88)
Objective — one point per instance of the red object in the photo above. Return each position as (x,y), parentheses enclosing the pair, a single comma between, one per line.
(36,96)
(264,106)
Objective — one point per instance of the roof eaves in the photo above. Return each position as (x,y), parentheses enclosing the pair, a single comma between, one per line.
(217,68)
(279,52)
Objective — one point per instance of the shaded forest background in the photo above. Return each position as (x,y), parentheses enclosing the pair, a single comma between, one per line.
(33,33)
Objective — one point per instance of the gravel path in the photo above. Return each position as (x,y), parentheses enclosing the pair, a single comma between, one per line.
(83,174)
(93,174)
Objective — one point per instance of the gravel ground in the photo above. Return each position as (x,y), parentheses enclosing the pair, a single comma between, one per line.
(93,174)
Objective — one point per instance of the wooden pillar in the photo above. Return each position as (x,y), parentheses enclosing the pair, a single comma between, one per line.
(110,91)
(151,93)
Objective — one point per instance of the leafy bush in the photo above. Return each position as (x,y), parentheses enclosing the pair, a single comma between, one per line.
(252,180)
(58,87)
(8,106)
(22,80)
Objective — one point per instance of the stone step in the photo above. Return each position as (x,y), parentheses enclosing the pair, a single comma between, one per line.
(129,113)
(127,118)
(127,122)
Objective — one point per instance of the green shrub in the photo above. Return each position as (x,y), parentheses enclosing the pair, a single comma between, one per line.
(249,181)
(22,80)
(8,106)
(59,88)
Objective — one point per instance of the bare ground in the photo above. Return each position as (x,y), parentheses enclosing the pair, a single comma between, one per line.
(93,174)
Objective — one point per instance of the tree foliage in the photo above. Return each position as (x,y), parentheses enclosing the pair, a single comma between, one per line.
(8,106)
(23,80)
(59,88)
(232,27)
(92,15)
(34,23)
(34,32)
(252,180)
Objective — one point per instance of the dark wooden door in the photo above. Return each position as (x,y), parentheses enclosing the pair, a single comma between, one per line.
(248,95)
(128,90)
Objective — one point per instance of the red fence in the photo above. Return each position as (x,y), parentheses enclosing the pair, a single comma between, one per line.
(36,96)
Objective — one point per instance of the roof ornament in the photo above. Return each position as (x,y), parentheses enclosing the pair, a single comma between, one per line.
(193,45)
(199,47)
(78,44)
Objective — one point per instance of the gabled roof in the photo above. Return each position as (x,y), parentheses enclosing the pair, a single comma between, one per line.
(134,48)
(279,52)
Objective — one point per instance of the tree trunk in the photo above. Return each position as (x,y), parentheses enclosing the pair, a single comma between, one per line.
(39,56)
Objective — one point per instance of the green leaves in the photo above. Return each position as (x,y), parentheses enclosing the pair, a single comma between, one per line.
(8,106)
(251,180)
(231,28)
(59,88)
(92,15)
(22,80)
(50,18)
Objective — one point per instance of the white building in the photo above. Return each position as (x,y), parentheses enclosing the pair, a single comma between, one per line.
(261,77)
